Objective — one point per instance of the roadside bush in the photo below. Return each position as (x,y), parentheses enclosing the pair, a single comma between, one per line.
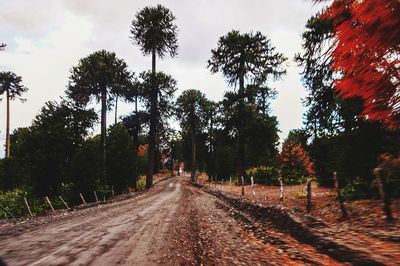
(141,183)
(356,188)
(13,202)
(267,175)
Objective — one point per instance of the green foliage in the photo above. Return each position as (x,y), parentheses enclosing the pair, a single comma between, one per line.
(96,74)
(121,165)
(300,194)
(153,29)
(248,55)
(357,188)
(160,87)
(141,184)
(13,202)
(11,85)
(267,175)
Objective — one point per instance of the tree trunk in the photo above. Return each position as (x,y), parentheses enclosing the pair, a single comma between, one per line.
(193,166)
(103,131)
(136,142)
(116,109)
(8,126)
(153,127)
(241,151)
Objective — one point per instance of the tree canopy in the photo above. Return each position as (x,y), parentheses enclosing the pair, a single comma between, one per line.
(365,54)
(153,29)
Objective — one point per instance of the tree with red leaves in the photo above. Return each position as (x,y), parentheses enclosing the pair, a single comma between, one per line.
(366,55)
(296,163)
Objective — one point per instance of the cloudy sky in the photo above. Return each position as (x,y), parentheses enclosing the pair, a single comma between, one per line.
(45,38)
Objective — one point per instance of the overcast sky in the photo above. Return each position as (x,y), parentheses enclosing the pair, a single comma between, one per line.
(45,38)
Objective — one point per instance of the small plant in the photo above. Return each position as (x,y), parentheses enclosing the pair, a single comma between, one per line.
(300,194)
(355,189)
(141,183)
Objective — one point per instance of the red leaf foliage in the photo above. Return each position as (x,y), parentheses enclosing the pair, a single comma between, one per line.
(294,156)
(367,55)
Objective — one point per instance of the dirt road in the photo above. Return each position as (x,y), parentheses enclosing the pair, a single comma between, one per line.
(171,224)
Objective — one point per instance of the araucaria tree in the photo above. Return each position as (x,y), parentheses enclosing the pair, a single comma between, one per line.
(250,60)
(11,86)
(191,112)
(156,92)
(153,29)
(100,76)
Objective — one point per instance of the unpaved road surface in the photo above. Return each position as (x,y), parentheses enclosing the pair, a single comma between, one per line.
(173,223)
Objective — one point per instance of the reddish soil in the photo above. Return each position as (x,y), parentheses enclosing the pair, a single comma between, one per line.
(365,228)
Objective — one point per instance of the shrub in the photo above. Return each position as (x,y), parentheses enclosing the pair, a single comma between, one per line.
(13,202)
(263,175)
(356,189)
(141,183)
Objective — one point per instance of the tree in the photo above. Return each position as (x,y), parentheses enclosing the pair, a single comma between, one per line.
(2,46)
(11,85)
(365,54)
(101,76)
(245,58)
(156,91)
(53,139)
(334,132)
(190,110)
(296,164)
(121,166)
(153,29)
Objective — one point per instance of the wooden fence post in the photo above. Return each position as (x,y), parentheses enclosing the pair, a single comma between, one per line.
(308,195)
(49,202)
(281,187)
(339,196)
(230,184)
(83,200)
(222,186)
(27,206)
(112,190)
(95,195)
(242,185)
(384,196)
(252,186)
(62,200)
